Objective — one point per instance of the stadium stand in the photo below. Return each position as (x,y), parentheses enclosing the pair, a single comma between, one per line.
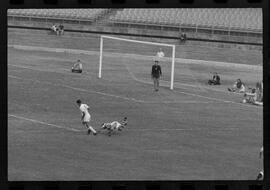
(84,14)
(229,19)
(237,18)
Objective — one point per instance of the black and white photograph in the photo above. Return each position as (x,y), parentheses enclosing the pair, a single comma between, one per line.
(135,94)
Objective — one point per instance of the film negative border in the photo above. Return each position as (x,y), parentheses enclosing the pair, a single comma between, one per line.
(133,3)
(130,185)
(138,185)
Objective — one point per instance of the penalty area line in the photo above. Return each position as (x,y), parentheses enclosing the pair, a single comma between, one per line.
(44,123)
(108,94)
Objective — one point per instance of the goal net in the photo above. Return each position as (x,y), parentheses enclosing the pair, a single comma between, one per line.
(133,59)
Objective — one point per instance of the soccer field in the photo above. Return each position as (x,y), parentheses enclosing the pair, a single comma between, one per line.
(196,131)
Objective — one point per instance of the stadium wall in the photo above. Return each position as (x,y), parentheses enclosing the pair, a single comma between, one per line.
(171,35)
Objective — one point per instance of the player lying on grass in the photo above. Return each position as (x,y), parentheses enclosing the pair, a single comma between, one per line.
(238,86)
(86,117)
(114,126)
(255,96)
(77,67)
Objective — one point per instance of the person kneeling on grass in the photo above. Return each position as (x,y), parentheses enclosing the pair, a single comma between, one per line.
(77,67)
(238,86)
(54,28)
(255,96)
(215,80)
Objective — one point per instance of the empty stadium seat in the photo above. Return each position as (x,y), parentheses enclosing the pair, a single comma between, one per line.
(240,18)
(244,19)
(59,13)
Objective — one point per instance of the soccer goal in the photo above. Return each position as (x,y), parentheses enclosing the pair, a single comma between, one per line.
(137,49)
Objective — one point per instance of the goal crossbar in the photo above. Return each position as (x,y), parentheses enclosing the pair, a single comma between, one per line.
(137,41)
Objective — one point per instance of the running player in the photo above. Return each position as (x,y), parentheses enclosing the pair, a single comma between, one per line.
(86,117)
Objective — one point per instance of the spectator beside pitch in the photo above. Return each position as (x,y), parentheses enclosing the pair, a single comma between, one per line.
(215,80)
(77,67)
(255,96)
(57,29)
(238,86)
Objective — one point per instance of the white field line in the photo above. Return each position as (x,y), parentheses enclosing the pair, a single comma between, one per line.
(217,99)
(163,82)
(129,129)
(44,123)
(144,57)
(143,101)
(12,76)
(177,60)
(110,95)
(87,36)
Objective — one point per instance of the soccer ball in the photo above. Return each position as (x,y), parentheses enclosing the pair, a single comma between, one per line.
(244,101)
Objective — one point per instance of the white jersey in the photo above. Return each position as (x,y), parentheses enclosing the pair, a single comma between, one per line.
(54,28)
(160,54)
(77,65)
(84,109)
(113,125)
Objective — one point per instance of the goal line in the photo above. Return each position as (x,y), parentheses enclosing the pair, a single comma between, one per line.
(103,37)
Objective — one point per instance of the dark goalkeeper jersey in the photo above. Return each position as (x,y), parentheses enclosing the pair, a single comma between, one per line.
(156,71)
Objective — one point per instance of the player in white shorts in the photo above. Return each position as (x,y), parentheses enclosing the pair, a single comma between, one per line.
(260,175)
(86,117)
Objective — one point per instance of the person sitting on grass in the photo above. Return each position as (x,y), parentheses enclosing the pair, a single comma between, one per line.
(255,97)
(238,86)
(54,28)
(215,80)
(61,29)
(77,67)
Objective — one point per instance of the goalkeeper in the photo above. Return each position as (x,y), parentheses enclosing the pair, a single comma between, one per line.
(156,74)
(77,67)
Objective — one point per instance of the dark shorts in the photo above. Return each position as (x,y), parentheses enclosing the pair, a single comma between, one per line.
(76,71)
(213,82)
(155,77)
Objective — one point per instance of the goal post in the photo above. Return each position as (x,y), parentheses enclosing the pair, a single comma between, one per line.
(103,37)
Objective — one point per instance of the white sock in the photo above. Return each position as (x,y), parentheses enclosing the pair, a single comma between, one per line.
(92,129)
